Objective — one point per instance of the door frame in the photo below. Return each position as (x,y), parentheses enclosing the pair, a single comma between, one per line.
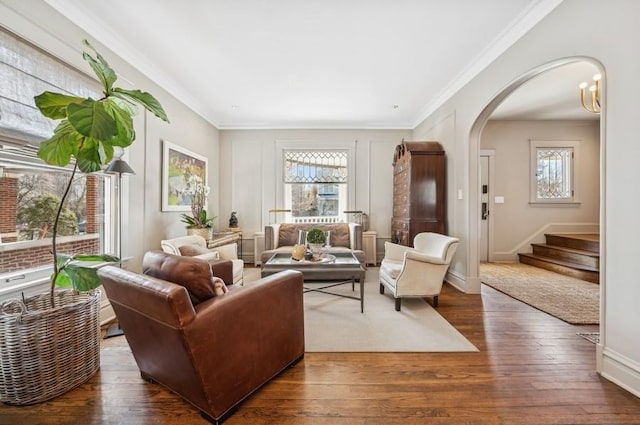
(489,153)
(473,283)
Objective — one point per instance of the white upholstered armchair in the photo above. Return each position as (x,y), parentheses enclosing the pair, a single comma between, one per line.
(196,246)
(418,271)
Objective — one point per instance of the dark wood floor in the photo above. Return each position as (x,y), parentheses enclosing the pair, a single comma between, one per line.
(531,369)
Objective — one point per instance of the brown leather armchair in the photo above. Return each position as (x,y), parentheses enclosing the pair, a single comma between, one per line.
(218,352)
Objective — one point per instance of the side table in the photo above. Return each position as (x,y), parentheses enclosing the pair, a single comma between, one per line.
(369,247)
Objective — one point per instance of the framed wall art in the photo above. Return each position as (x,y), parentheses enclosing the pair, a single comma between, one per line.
(182,172)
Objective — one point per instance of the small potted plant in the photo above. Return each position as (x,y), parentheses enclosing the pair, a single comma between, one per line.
(316,240)
(198,222)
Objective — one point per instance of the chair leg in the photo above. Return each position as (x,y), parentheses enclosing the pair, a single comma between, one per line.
(381,288)
(398,303)
(435,301)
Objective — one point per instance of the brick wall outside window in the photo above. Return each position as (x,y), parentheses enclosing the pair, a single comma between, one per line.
(92,203)
(23,255)
(8,194)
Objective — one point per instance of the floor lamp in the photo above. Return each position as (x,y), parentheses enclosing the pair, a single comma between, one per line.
(118,166)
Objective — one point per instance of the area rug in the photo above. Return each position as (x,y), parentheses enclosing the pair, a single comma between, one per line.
(335,324)
(593,337)
(573,300)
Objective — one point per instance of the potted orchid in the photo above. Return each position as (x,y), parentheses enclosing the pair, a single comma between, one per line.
(198,222)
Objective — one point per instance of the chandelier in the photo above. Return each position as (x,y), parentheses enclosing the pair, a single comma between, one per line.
(594,90)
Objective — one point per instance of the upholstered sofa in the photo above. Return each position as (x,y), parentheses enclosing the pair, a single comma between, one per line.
(214,352)
(343,237)
(196,246)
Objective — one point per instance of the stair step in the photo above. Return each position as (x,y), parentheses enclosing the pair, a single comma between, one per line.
(571,255)
(579,271)
(582,241)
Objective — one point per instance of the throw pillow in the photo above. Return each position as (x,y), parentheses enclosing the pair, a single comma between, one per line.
(340,235)
(191,250)
(218,286)
(192,273)
(302,237)
(288,235)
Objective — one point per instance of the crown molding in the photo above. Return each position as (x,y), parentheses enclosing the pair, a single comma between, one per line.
(519,27)
(77,13)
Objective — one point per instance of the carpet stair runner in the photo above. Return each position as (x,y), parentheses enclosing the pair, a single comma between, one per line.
(575,255)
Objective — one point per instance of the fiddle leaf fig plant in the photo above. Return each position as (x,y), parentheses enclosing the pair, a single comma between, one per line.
(86,135)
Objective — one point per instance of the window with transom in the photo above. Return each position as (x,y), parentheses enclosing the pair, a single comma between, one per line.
(315,185)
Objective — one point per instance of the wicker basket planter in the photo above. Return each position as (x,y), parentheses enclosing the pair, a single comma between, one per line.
(46,352)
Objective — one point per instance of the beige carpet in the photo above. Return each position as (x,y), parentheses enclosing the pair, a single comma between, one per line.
(335,324)
(573,300)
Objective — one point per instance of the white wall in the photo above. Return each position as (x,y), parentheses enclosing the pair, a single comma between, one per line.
(145,225)
(248,182)
(516,221)
(443,131)
(606,32)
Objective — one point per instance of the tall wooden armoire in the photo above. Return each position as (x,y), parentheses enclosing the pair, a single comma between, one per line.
(418,191)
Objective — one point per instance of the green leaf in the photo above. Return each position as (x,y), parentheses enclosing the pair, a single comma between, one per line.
(82,278)
(59,149)
(96,257)
(63,279)
(90,119)
(62,259)
(143,98)
(125,134)
(93,154)
(101,68)
(54,105)
(188,220)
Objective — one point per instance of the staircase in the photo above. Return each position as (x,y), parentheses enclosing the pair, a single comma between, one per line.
(575,255)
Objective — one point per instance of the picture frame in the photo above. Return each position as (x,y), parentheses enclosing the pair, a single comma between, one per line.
(181,169)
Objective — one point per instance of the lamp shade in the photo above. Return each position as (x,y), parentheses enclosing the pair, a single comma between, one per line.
(119,166)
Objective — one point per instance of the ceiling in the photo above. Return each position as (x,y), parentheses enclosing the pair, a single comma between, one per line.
(320,64)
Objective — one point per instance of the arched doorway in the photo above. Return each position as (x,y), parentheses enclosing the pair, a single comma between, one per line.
(476,212)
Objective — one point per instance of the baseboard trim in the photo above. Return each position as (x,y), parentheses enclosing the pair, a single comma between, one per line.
(620,370)
(468,285)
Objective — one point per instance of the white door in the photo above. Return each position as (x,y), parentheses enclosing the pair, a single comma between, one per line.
(485,188)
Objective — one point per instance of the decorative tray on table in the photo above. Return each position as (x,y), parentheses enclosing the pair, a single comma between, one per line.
(324,258)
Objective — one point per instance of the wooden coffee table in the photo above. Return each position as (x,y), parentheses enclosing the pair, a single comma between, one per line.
(333,270)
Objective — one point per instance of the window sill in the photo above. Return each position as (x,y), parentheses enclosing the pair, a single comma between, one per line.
(555,204)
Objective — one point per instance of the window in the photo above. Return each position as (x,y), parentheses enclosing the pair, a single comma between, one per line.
(29,188)
(553,165)
(315,185)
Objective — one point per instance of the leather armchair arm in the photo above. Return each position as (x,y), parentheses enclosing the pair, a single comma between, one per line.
(253,330)
(148,295)
(223,269)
